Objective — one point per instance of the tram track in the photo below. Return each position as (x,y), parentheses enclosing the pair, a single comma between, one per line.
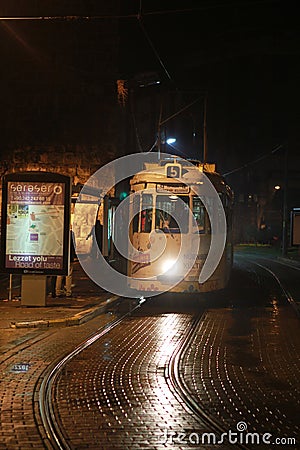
(179,387)
(284,290)
(173,373)
(176,382)
(54,434)
(54,437)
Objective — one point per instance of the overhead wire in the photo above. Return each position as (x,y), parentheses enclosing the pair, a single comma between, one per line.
(74,17)
(140,20)
(136,131)
(162,64)
(139,17)
(211,5)
(256,160)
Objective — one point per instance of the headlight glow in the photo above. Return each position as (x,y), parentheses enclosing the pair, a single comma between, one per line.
(168,264)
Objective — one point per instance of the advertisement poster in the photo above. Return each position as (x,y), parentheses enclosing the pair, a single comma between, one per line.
(295,226)
(35,226)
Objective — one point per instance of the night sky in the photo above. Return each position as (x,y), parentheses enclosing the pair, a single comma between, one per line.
(244,55)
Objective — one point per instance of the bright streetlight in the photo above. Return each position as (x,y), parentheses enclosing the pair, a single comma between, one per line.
(171,140)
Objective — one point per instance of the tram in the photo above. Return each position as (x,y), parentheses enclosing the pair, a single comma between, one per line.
(159,191)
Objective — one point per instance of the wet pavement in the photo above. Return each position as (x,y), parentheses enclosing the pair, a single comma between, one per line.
(28,347)
(17,322)
(273,266)
(121,399)
(241,365)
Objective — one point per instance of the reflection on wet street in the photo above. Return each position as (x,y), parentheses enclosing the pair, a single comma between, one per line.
(124,400)
(240,366)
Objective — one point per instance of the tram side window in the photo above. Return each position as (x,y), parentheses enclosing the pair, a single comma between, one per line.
(136,210)
(146,213)
(199,214)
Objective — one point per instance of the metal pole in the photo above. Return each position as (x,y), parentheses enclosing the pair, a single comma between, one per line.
(204,131)
(105,227)
(285,209)
(159,142)
(159,132)
(10,287)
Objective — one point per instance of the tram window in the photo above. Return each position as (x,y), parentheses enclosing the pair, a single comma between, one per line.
(146,213)
(199,214)
(136,209)
(166,206)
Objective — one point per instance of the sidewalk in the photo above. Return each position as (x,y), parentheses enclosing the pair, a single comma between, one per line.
(290,286)
(267,251)
(87,301)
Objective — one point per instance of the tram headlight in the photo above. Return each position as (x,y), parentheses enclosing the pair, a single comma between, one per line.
(168,264)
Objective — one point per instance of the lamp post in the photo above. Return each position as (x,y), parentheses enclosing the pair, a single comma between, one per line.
(205,131)
(162,122)
(284,207)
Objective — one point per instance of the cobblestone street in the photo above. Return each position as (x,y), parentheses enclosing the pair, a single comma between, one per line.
(245,367)
(241,367)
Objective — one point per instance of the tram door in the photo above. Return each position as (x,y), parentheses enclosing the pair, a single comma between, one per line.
(109,208)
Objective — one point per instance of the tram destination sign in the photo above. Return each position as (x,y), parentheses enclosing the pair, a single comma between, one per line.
(35,223)
(174,189)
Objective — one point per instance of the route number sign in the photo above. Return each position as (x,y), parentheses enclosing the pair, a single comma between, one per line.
(35,228)
(173,170)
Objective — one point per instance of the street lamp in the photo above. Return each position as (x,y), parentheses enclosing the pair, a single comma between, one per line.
(285,208)
(170,140)
(163,122)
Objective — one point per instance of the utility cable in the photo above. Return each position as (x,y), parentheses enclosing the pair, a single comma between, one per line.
(209,5)
(250,163)
(154,49)
(137,136)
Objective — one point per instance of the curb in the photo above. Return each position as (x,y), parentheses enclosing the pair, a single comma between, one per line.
(77,319)
(289,261)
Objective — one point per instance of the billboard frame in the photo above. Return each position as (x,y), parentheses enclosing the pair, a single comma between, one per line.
(295,226)
(24,179)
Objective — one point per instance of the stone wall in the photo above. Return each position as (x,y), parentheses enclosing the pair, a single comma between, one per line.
(77,161)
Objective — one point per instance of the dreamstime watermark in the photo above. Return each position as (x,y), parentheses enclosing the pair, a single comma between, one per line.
(105,179)
(240,436)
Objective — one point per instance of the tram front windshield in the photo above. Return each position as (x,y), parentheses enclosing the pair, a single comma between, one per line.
(163,208)
(166,207)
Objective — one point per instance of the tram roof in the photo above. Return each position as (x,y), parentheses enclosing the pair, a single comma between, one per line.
(156,173)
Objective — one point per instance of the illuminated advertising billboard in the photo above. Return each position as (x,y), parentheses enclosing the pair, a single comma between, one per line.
(35,223)
(295,226)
